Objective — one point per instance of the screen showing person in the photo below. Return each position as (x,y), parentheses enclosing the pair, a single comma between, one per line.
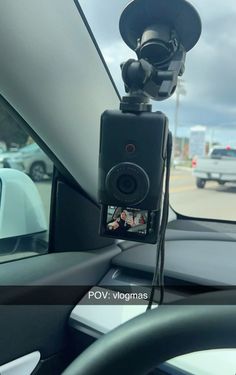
(121,220)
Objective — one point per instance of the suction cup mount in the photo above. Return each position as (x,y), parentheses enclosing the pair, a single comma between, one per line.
(160,32)
(177,15)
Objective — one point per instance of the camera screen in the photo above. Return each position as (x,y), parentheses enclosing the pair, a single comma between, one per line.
(121,221)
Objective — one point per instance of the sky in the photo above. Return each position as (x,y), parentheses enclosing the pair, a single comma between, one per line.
(210,75)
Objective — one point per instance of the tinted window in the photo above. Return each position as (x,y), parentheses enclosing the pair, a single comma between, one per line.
(218,153)
(223,152)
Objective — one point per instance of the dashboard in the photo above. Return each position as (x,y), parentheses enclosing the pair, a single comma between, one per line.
(196,261)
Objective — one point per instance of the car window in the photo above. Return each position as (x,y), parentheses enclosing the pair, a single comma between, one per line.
(201,112)
(231,153)
(218,152)
(30,147)
(25,177)
(223,152)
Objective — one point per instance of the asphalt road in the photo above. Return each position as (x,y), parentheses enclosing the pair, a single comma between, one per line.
(212,202)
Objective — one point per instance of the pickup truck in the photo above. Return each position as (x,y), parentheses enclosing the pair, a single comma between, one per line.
(219,166)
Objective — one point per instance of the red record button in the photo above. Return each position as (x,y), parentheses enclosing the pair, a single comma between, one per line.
(130,148)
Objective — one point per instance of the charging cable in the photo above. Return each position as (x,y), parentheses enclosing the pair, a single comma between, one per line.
(158,277)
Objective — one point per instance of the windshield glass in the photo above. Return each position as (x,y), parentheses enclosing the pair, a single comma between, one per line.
(202,111)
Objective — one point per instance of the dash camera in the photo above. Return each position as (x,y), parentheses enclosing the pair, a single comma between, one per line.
(131,169)
(133,140)
(132,158)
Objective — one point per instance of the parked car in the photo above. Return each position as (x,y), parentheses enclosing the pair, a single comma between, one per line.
(7,154)
(219,166)
(31,160)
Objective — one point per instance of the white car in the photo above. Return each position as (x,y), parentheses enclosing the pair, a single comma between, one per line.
(219,166)
(5,155)
(31,160)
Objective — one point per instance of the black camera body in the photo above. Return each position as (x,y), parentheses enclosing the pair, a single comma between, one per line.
(132,159)
(133,150)
(135,144)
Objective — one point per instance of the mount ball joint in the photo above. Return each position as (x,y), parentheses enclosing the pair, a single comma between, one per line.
(160,32)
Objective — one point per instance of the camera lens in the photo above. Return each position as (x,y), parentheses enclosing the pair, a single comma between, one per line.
(126,184)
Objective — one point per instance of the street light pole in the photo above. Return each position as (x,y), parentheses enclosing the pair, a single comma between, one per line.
(180,90)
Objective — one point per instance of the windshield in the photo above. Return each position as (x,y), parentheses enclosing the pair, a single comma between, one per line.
(202,111)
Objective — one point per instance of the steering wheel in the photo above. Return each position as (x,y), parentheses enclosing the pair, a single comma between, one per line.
(199,323)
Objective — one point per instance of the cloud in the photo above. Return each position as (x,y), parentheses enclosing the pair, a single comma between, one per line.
(210,76)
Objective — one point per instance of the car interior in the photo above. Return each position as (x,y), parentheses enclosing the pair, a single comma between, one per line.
(55,83)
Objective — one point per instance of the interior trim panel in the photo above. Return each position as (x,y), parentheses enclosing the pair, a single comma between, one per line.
(200,262)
